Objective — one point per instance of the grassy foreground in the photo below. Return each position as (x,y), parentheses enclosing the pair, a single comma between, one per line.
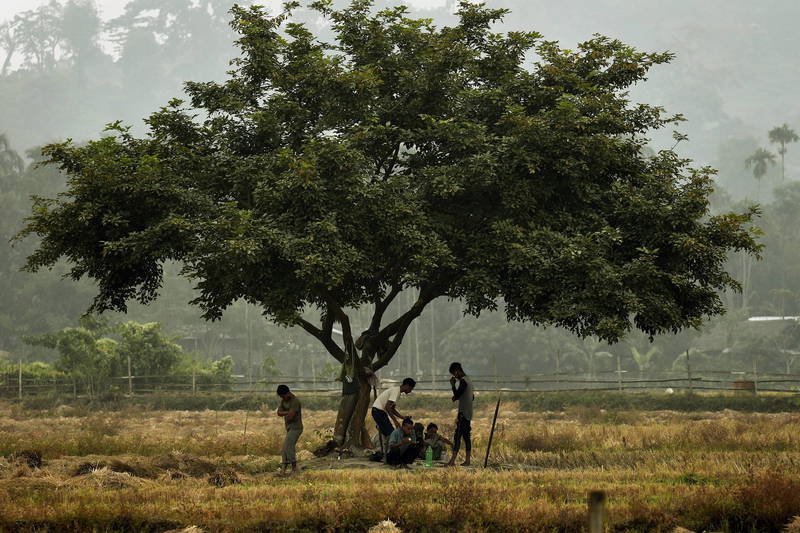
(132,470)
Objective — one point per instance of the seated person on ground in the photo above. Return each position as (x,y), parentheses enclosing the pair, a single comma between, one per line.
(435,441)
(402,445)
(419,434)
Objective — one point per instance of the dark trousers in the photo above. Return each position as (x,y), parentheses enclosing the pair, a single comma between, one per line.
(463,430)
(381,418)
(394,457)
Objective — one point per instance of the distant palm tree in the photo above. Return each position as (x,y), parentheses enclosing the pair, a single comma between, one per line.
(642,358)
(783,135)
(759,162)
(588,350)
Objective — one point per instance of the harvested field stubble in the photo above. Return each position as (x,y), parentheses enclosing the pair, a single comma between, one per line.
(130,471)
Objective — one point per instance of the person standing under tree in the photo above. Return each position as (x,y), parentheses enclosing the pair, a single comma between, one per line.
(464,395)
(290,410)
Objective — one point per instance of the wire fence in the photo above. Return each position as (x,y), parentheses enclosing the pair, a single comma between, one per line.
(16,384)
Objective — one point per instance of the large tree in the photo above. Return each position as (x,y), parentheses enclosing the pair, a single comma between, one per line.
(328,177)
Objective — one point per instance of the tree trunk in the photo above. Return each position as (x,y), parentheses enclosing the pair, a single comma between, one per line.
(358,434)
(376,346)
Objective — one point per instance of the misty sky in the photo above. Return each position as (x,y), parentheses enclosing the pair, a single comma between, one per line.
(112,8)
(735,73)
(108,8)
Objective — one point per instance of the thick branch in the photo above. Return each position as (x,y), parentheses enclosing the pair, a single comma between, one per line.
(336,310)
(381,305)
(326,340)
(386,355)
(327,324)
(425,297)
(397,329)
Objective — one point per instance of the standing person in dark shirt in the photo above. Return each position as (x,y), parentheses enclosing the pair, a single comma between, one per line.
(463,394)
(290,410)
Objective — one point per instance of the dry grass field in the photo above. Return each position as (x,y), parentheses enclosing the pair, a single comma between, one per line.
(132,470)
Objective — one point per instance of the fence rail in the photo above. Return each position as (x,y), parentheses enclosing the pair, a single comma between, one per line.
(17,385)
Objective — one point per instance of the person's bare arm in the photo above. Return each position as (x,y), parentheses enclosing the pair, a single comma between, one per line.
(462,388)
(281,411)
(393,414)
(290,415)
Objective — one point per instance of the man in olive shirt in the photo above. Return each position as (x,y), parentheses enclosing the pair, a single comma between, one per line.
(290,410)
(347,407)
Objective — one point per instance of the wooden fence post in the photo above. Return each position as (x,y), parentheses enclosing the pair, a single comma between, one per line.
(558,366)
(194,380)
(689,372)
(19,382)
(755,376)
(619,374)
(597,501)
(130,378)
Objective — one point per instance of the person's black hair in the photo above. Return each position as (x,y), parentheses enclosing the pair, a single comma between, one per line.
(431,426)
(410,382)
(455,366)
(282,389)
(407,420)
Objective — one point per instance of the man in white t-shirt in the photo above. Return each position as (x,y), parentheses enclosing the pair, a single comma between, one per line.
(385,406)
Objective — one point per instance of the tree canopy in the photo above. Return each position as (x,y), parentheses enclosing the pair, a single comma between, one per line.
(499,169)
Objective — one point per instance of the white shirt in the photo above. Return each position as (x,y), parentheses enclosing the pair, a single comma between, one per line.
(389,395)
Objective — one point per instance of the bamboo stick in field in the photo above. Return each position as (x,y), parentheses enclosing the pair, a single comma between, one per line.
(491,433)
(244,435)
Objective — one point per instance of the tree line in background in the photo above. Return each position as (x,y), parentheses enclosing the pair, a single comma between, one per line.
(97,355)
(57,48)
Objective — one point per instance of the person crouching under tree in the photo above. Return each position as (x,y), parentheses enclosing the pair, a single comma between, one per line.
(435,441)
(290,410)
(385,407)
(402,445)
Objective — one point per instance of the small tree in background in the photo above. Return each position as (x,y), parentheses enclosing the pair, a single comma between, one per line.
(643,358)
(83,355)
(151,353)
